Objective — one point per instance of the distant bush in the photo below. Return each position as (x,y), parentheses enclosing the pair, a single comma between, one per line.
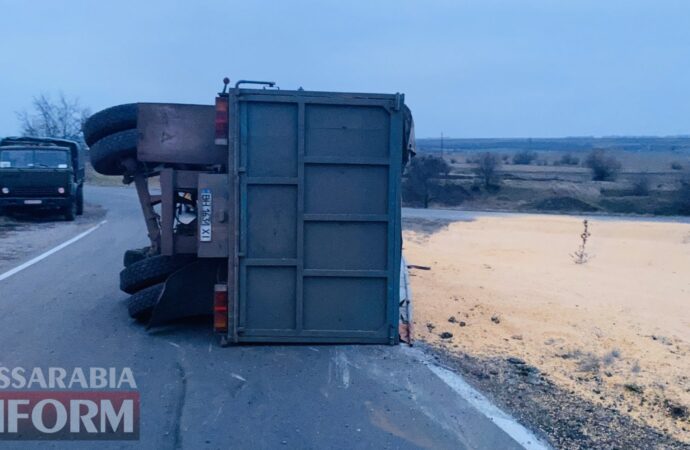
(451,194)
(604,167)
(421,184)
(563,204)
(675,165)
(640,186)
(569,160)
(487,167)
(524,157)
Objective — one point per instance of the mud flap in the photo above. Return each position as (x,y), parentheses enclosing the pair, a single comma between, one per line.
(187,293)
(405,324)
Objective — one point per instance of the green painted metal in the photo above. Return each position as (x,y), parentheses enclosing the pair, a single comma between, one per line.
(319,226)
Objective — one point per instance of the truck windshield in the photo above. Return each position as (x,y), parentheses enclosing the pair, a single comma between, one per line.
(30,158)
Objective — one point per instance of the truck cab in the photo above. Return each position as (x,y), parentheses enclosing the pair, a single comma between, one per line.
(41,173)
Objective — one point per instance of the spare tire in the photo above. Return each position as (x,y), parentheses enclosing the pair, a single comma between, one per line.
(108,153)
(140,305)
(109,121)
(150,271)
(134,255)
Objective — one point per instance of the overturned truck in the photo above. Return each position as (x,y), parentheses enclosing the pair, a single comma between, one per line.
(278,212)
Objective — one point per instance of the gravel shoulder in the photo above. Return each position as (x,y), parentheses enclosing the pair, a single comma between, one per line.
(26,235)
(563,417)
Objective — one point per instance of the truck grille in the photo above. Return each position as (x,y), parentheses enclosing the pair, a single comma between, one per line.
(34,191)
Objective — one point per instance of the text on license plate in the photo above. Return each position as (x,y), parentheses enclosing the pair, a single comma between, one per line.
(205,214)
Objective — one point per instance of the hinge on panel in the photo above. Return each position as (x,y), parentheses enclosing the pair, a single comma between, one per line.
(392,334)
(398,101)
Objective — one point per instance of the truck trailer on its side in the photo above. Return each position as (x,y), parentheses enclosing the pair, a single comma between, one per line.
(278,212)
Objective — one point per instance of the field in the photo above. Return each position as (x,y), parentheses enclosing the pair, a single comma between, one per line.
(612,334)
(651,179)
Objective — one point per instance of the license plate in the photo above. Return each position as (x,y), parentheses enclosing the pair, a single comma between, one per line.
(205,213)
(33,202)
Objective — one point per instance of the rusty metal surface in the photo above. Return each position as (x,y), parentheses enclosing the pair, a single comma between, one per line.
(173,181)
(178,134)
(147,203)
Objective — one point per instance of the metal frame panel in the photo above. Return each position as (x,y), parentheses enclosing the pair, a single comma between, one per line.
(178,133)
(239,131)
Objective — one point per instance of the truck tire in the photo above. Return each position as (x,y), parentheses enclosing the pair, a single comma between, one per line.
(80,200)
(70,211)
(108,153)
(150,271)
(134,255)
(109,121)
(141,304)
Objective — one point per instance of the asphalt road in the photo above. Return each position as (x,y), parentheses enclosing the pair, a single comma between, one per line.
(67,311)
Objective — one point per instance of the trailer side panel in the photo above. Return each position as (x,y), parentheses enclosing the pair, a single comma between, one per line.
(319,216)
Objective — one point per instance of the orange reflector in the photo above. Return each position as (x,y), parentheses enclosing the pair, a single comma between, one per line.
(220,308)
(222,120)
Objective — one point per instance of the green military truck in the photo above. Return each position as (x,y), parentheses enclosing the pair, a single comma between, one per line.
(41,173)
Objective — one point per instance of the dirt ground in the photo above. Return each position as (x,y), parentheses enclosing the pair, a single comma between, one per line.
(614,331)
(24,235)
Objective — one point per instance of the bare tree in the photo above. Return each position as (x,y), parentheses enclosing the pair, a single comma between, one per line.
(62,118)
(421,181)
(487,168)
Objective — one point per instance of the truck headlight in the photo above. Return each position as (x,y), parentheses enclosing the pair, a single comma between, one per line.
(5,190)
(61,190)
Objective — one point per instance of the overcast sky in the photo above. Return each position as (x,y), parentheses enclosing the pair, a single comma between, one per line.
(480,68)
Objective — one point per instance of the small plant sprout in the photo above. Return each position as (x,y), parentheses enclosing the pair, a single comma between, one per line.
(581,256)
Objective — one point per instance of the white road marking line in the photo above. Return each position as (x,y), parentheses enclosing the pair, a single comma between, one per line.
(342,367)
(239,377)
(505,422)
(510,426)
(43,256)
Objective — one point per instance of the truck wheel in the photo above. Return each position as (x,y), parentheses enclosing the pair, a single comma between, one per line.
(141,304)
(108,153)
(150,271)
(80,200)
(70,211)
(134,255)
(109,121)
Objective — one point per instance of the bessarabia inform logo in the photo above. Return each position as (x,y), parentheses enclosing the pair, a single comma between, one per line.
(94,403)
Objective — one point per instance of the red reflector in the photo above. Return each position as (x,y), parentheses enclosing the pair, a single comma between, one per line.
(222,121)
(220,308)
